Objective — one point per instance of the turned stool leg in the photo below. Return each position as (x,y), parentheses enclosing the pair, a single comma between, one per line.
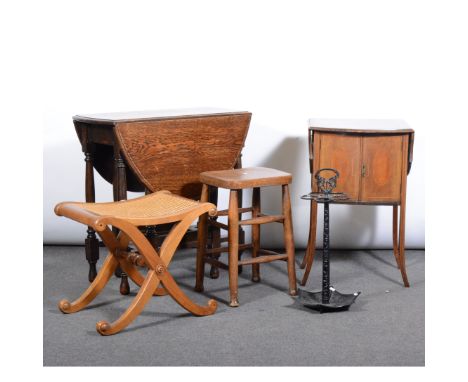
(233,242)
(289,240)
(255,233)
(240,193)
(201,245)
(214,232)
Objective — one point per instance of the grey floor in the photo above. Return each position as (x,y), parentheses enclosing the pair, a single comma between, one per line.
(385,327)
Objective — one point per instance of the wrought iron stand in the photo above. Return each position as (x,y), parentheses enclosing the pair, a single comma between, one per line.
(329,299)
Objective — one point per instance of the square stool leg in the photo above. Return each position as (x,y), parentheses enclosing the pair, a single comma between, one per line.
(289,240)
(233,243)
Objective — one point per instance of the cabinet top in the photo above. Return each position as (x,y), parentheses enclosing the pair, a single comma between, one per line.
(146,115)
(361,126)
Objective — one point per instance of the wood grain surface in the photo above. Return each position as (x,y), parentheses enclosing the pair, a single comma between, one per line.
(170,154)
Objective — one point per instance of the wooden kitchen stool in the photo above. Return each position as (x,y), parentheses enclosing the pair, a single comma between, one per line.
(234,180)
(158,208)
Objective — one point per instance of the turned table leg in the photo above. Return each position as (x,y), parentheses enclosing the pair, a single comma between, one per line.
(120,193)
(91,241)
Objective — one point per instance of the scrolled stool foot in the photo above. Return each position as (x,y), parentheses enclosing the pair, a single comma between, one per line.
(256,279)
(64,306)
(213,305)
(103,327)
(293,292)
(199,288)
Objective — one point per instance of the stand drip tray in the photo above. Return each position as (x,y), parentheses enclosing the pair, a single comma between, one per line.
(337,301)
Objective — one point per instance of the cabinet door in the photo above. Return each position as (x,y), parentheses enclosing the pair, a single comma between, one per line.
(343,153)
(381,168)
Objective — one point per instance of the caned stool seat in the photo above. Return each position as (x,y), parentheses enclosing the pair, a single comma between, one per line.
(158,208)
(235,180)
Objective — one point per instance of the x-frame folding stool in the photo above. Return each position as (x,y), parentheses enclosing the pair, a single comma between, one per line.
(158,208)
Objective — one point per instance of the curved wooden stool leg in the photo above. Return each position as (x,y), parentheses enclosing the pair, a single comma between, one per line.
(132,271)
(144,294)
(138,278)
(167,252)
(100,281)
(158,271)
(183,300)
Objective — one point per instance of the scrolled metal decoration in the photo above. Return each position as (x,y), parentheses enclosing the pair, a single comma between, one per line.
(326,185)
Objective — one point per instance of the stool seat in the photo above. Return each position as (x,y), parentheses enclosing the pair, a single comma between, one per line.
(245,178)
(158,208)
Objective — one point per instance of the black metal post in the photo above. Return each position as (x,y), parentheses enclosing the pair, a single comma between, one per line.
(326,254)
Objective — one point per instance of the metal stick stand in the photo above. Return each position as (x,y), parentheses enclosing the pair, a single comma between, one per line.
(329,299)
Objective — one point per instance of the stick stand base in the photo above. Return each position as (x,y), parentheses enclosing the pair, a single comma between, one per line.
(338,301)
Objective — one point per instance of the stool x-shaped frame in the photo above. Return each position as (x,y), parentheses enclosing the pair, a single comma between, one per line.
(158,208)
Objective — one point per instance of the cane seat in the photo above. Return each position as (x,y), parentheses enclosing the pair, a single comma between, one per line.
(158,208)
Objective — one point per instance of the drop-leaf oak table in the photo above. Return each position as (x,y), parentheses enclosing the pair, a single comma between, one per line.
(157,150)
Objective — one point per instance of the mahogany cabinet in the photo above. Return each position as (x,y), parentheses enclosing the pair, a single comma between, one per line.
(373,166)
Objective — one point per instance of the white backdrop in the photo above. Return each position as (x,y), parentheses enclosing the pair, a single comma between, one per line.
(360,59)
(285,64)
